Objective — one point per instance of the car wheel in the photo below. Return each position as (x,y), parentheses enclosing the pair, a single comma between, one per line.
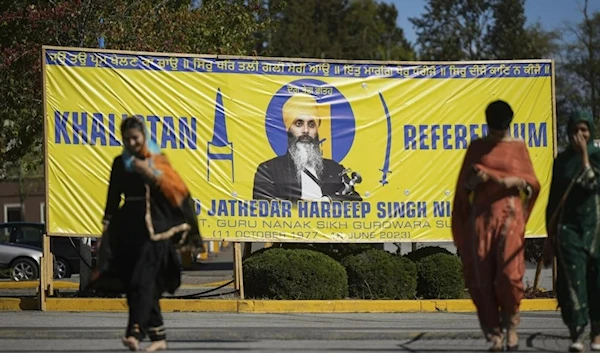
(24,269)
(62,269)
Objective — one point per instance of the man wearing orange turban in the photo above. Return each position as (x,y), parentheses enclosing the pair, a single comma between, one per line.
(300,105)
(302,173)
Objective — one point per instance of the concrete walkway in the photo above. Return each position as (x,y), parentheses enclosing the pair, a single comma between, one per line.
(436,332)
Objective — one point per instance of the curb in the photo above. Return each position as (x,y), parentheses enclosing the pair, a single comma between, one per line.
(268,306)
(207,285)
(36,284)
(74,285)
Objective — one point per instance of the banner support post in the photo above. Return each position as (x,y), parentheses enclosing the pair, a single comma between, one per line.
(238,269)
(46,273)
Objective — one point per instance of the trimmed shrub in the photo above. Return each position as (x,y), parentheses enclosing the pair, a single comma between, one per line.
(426,251)
(377,274)
(294,274)
(335,251)
(440,277)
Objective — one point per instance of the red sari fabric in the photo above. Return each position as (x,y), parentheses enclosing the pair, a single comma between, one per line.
(488,226)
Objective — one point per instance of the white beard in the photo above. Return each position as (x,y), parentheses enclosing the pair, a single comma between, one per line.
(306,155)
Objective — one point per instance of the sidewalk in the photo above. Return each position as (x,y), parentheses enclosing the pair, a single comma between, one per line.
(439,332)
(226,326)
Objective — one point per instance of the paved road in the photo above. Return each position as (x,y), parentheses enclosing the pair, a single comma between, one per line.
(295,346)
(419,332)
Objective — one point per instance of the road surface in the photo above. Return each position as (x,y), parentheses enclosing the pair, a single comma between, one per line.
(33,331)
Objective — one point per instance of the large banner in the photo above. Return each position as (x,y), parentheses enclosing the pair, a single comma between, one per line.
(277,149)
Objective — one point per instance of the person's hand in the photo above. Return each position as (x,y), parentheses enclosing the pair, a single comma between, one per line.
(580,143)
(140,165)
(94,275)
(476,177)
(512,182)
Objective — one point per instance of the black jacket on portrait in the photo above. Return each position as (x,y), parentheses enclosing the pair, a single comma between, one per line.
(276,179)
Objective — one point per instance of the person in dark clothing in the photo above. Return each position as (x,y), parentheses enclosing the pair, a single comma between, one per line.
(573,224)
(138,251)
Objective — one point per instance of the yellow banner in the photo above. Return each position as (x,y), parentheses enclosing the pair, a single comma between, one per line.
(288,150)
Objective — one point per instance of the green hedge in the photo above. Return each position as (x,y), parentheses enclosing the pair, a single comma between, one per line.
(440,277)
(426,251)
(297,273)
(335,251)
(377,274)
(277,273)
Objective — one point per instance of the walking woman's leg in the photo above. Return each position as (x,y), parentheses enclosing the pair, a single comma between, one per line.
(156,329)
(593,286)
(479,268)
(154,287)
(142,290)
(509,278)
(133,332)
(571,286)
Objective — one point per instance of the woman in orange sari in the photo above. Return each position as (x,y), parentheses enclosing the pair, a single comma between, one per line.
(495,194)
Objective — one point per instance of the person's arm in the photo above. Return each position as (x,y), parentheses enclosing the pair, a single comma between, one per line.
(113,198)
(551,208)
(461,204)
(143,167)
(553,199)
(529,186)
(587,179)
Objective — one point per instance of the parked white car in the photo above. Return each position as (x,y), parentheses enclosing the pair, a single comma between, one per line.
(24,261)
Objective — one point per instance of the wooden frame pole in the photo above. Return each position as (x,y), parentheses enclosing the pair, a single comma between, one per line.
(238,269)
(46,263)
(236,275)
(46,287)
(41,292)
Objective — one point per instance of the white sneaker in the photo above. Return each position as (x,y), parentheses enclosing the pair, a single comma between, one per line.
(576,347)
(595,347)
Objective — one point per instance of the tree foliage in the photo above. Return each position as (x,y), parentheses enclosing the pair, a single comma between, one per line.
(340,29)
(480,30)
(453,30)
(581,66)
(212,27)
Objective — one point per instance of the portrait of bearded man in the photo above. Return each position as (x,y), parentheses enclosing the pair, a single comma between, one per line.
(302,173)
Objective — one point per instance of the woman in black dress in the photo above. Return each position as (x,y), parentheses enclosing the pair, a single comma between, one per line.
(138,254)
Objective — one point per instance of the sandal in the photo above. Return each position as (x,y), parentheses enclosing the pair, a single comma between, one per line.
(132,343)
(497,344)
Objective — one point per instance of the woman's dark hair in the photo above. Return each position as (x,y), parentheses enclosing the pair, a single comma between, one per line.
(132,122)
(572,125)
(499,115)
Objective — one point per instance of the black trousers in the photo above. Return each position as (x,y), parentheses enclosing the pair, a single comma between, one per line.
(145,318)
(143,295)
